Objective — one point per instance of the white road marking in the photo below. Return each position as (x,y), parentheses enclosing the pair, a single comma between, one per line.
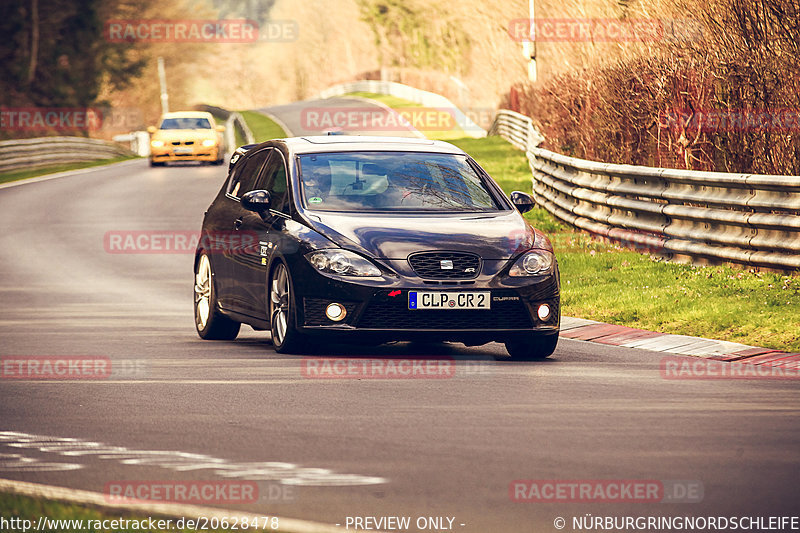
(17,463)
(285,473)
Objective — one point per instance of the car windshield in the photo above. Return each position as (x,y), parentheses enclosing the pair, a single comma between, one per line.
(185,123)
(392,181)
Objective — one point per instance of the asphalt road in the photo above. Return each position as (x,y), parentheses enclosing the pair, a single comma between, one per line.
(346,447)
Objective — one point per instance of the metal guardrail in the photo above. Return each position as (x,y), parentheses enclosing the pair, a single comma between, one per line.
(516,128)
(235,120)
(139,142)
(741,218)
(43,151)
(232,120)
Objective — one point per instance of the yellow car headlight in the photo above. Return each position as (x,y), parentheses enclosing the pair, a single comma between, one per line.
(156,143)
(209,142)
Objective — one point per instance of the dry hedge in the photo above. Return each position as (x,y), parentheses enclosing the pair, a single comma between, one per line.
(726,100)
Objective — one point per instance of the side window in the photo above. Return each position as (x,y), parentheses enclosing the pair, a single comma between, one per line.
(246,173)
(274,181)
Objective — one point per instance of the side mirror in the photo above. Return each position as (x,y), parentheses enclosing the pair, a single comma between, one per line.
(522,201)
(257,201)
(220,128)
(151,129)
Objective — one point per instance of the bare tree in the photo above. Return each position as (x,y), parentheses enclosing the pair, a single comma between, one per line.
(34,40)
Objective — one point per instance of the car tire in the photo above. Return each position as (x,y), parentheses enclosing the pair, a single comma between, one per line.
(282,312)
(210,322)
(535,348)
(156,163)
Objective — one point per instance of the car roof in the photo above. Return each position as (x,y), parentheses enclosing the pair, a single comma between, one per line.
(348,143)
(365,143)
(187,114)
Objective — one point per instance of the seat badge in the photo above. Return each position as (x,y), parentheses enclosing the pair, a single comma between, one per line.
(446,264)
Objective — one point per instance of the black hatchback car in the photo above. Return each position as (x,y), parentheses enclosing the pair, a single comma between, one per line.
(377,239)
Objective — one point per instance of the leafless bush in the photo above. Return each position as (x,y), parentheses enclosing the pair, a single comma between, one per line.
(726,102)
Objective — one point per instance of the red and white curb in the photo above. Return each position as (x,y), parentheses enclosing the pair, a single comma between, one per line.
(614,335)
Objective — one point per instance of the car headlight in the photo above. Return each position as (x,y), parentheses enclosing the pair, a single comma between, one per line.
(209,142)
(532,263)
(342,263)
(156,144)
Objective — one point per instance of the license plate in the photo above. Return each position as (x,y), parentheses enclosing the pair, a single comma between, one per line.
(448,300)
(183,151)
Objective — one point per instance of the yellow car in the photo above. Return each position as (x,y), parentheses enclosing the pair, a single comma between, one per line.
(186,136)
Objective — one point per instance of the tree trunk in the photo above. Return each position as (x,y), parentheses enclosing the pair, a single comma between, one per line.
(34,40)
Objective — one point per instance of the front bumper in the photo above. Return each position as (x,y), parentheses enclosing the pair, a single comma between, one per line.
(380,311)
(197,153)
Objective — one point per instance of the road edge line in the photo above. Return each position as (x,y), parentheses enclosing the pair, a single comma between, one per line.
(169,510)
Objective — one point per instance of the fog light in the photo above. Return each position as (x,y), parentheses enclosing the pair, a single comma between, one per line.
(335,312)
(543,312)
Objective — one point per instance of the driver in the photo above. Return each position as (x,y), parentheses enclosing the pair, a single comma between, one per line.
(317,184)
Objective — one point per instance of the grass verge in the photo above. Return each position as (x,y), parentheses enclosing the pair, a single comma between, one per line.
(386,99)
(16,175)
(606,282)
(238,139)
(263,127)
(26,508)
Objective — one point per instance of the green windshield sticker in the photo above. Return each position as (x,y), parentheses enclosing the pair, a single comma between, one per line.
(315,200)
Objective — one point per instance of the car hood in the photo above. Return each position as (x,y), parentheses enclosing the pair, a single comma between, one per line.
(184,135)
(491,235)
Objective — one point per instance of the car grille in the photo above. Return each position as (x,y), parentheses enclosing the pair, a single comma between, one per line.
(429,265)
(185,143)
(394,314)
